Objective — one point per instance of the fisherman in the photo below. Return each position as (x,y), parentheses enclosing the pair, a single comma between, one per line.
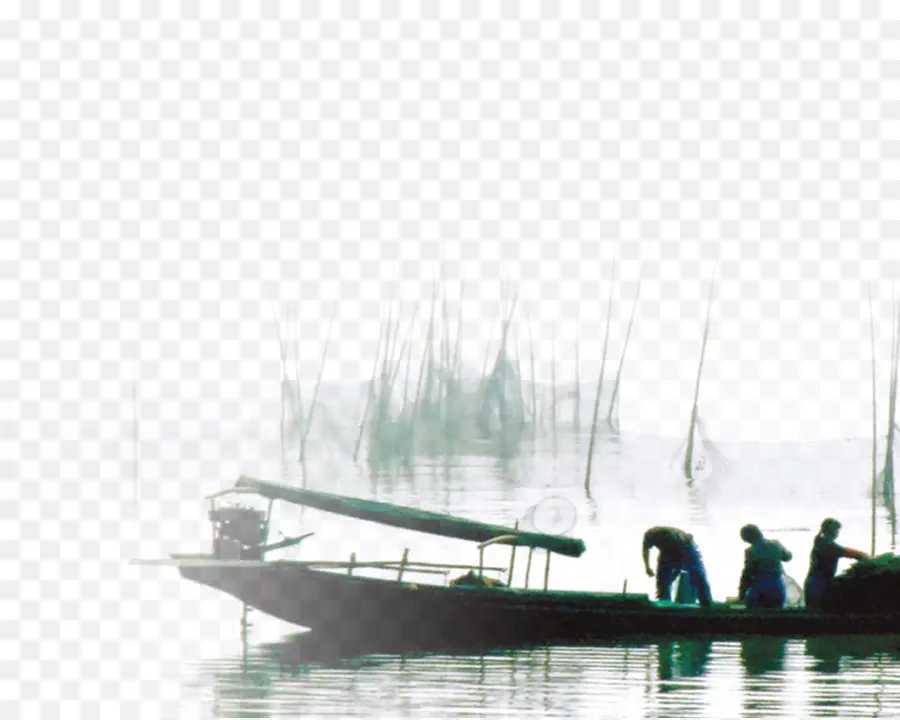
(677,553)
(823,561)
(762,580)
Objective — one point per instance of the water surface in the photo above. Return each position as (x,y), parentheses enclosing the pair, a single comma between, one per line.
(139,641)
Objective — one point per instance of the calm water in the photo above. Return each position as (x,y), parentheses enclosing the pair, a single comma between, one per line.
(138,642)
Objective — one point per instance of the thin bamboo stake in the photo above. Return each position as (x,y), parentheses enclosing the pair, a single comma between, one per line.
(689,451)
(615,392)
(286,391)
(424,367)
(501,365)
(874,428)
(429,373)
(315,395)
(395,372)
(297,394)
(593,437)
(889,488)
(553,390)
(445,358)
(520,378)
(888,472)
(534,407)
(576,411)
(487,353)
(370,395)
(457,351)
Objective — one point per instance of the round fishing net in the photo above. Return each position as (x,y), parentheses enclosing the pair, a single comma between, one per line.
(553,516)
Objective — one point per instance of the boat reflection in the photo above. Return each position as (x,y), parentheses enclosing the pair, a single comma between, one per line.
(300,674)
(764,686)
(241,689)
(829,653)
(684,658)
(761,656)
(305,651)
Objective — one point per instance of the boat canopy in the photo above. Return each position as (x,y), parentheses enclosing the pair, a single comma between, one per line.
(412,518)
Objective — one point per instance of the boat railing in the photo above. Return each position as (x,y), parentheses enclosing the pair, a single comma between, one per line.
(513,540)
(401,567)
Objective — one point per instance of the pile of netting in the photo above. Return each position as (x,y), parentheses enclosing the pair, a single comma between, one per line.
(867,586)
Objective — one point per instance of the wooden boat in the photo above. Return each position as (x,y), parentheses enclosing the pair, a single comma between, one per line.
(395,613)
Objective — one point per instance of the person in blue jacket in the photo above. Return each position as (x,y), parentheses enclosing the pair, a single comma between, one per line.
(823,562)
(762,581)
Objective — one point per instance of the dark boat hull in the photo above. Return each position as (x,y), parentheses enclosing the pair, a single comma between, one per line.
(390,615)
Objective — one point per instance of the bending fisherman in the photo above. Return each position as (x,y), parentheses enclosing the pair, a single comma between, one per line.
(823,562)
(762,580)
(677,553)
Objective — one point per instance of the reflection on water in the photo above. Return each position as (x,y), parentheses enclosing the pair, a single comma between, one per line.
(764,691)
(685,658)
(763,655)
(684,678)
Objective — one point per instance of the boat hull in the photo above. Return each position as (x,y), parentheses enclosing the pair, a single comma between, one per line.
(391,615)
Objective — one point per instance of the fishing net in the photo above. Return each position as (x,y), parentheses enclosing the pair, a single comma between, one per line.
(867,586)
(553,516)
(794,595)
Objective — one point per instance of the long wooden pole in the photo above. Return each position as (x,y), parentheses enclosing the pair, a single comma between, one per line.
(615,392)
(874,428)
(593,436)
(689,451)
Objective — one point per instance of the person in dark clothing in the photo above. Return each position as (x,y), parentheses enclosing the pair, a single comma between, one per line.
(823,562)
(762,581)
(677,553)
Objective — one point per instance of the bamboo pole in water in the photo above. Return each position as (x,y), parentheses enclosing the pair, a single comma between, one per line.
(689,451)
(615,392)
(408,358)
(404,350)
(534,407)
(520,378)
(874,428)
(369,395)
(576,410)
(455,375)
(888,472)
(553,390)
(297,393)
(429,366)
(590,452)
(287,392)
(888,489)
(424,381)
(443,385)
(315,396)
(498,376)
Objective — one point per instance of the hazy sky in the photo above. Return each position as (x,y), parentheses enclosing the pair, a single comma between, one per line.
(174,182)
